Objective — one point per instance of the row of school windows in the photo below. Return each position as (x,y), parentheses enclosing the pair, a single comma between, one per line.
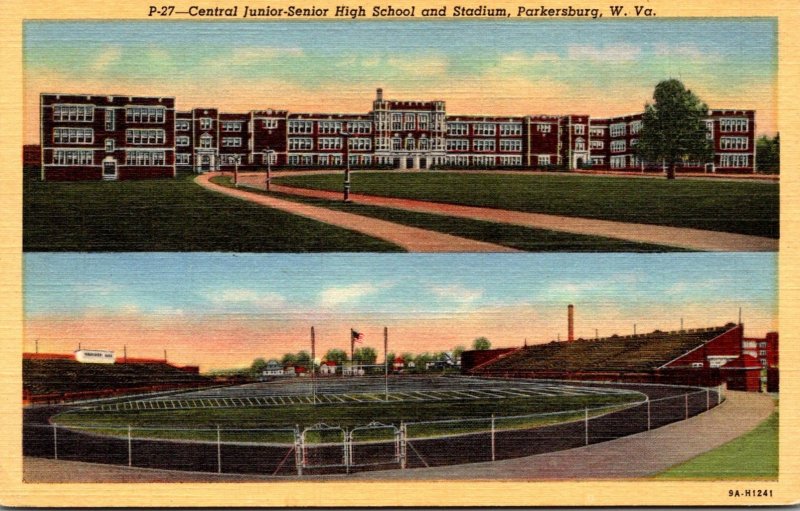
(457,144)
(76,157)
(325,127)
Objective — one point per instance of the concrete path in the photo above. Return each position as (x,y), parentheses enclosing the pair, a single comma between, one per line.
(411,239)
(681,237)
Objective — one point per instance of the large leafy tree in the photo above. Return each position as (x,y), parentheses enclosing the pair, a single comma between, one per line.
(673,127)
(768,154)
(481,343)
(336,355)
(365,355)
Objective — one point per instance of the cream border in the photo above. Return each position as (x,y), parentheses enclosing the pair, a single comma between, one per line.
(350,494)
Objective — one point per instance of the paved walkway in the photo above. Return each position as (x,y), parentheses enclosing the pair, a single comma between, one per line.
(411,239)
(682,237)
(635,456)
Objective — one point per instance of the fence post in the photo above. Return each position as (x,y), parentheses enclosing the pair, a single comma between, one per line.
(130,448)
(586,426)
(708,399)
(492,437)
(298,450)
(219,451)
(403,447)
(719,394)
(686,405)
(55,440)
(648,414)
(348,439)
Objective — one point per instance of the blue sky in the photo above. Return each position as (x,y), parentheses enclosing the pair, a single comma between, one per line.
(505,67)
(214,301)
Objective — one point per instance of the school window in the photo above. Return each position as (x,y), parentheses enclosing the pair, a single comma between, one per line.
(78,113)
(360,127)
(109,145)
(270,124)
(231,126)
(330,127)
(300,144)
(544,128)
(636,127)
(397,121)
(423,144)
(329,143)
(596,144)
(205,123)
(396,143)
(149,137)
(409,144)
(206,141)
(510,161)
(483,128)
(511,145)
(733,142)
(596,132)
(231,142)
(618,162)
(73,135)
(182,141)
(544,159)
(618,129)
(510,130)
(728,125)
(359,144)
(144,114)
(423,121)
(457,144)
(182,159)
(733,160)
(409,122)
(299,127)
(580,144)
(634,141)
(709,129)
(617,146)
(456,128)
(72,157)
(483,145)
(144,158)
(294,159)
(110,124)
(597,160)
(182,125)
(580,129)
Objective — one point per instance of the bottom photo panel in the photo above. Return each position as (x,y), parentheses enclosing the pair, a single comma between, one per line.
(217,367)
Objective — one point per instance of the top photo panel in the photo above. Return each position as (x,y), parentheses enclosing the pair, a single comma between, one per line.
(401,136)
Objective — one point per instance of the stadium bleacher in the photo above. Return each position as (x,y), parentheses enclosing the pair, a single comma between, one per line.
(61,376)
(643,352)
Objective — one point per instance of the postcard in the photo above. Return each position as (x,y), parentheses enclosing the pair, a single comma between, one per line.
(312,254)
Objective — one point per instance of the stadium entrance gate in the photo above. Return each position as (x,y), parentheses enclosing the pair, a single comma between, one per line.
(325,448)
(374,445)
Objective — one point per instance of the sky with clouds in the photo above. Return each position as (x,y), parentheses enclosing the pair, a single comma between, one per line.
(223,310)
(506,67)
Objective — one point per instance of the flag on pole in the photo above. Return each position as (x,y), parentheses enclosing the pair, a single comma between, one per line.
(356,336)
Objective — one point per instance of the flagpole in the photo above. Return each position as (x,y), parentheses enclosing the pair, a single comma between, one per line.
(313,376)
(386,362)
(352,347)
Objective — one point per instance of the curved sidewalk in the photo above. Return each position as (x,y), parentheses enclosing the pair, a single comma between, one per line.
(640,455)
(411,239)
(681,237)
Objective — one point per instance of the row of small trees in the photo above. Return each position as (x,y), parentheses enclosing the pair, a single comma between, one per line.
(369,356)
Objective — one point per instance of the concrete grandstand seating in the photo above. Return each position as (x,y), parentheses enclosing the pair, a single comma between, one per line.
(60,376)
(629,353)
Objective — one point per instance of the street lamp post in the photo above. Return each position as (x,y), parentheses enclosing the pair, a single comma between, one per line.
(236,171)
(346,137)
(268,156)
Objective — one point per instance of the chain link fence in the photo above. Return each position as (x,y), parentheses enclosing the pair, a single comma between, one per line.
(327,449)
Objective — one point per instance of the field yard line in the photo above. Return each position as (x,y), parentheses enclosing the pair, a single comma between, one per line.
(412,239)
(681,237)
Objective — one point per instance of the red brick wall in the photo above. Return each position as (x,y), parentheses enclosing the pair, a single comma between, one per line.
(726,344)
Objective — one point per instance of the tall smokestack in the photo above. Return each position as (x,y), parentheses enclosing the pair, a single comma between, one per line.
(570,323)
(379,94)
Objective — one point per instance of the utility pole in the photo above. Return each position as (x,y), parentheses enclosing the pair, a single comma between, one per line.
(386,363)
(313,375)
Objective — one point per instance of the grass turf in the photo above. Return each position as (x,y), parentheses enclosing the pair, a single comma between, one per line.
(200,423)
(520,238)
(170,215)
(751,456)
(730,206)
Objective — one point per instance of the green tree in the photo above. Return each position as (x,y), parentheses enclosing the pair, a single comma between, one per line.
(673,127)
(457,351)
(303,359)
(365,355)
(390,358)
(768,154)
(258,366)
(481,343)
(336,355)
(288,359)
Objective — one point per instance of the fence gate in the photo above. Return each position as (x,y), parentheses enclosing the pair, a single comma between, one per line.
(373,445)
(323,446)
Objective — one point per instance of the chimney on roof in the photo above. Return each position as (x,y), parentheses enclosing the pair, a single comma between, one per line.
(379,94)
(570,323)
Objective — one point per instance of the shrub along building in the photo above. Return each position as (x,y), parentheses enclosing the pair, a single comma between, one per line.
(127,137)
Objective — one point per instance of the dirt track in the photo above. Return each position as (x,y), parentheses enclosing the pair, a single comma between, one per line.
(681,237)
(411,239)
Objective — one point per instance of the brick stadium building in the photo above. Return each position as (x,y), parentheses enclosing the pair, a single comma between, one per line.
(127,137)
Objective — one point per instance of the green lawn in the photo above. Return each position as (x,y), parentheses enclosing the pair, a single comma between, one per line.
(520,238)
(346,415)
(751,456)
(744,207)
(169,215)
